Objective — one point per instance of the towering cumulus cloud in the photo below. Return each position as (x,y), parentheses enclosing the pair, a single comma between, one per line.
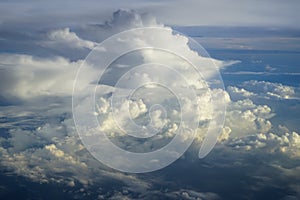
(40,89)
(170,75)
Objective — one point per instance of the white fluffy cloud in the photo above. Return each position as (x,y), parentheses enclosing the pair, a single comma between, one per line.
(48,151)
(245,118)
(45,148)
(25,76)
(287,143)
(270,90)
(50,147)
(64,38)
(239,93)
(262,89)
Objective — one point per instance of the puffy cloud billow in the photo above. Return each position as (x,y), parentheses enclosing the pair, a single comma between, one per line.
(270,90)
(64,38)
(25,76)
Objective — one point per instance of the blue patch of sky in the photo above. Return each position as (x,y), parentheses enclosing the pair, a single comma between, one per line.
(269,54)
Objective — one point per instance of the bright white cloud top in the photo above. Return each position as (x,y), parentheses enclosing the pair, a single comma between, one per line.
(139,104)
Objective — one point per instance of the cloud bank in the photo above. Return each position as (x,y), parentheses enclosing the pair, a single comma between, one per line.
(39,140)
